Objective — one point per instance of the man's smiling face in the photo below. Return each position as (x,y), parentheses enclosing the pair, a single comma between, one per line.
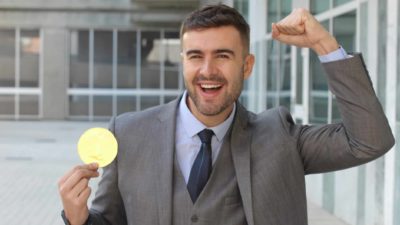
(215,65)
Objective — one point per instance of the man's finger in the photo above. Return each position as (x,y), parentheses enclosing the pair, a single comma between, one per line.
(91,166)
(80,174)
(76,176)
(297,29)
(275,31)
(84,195)
(79,187)
(289,39)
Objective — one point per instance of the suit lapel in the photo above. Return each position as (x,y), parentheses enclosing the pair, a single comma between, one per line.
(240,145)
(165,161)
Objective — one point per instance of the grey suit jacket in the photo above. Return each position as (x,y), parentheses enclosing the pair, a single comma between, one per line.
(271,155)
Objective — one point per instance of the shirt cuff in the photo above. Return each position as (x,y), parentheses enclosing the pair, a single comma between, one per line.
(66,222)
(336,55)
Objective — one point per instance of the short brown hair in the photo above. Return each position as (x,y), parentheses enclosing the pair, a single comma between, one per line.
(213,16)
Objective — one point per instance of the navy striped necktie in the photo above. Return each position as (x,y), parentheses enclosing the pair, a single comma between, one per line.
(202,166)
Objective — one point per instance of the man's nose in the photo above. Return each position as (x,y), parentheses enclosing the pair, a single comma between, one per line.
(208,67)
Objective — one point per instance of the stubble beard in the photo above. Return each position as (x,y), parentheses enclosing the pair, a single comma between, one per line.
(215,108)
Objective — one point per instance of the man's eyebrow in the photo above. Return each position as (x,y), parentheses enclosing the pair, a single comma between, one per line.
(218,51)
(194,51)
(224,50)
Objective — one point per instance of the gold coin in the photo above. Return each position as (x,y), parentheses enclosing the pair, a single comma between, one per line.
(97,145)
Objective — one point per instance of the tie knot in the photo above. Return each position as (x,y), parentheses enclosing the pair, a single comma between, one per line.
(206,135)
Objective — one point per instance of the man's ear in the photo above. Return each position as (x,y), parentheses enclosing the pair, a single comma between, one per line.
(248,65)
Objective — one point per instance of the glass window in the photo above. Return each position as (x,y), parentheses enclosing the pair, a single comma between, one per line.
(272,13)
(103,59)
(272,100)
(285,76)
(79,105)
(7,103)
(151,57)
(278,74)
(169,98)
(149,101)
(7,58)
(172,78)
(29,105)
(344,29)
(145,56)
(284,100)
(243,7)
(277,10)
(244,99)
(102,106)
(172,59)
(318,6)
(272,65)
(286,8)
(317,74)
(126,104)
(336,117)
(79,59)
(127,59)
(299,73)
(29,58)
(319,109)
(285,68)
(319,89)
(340,2)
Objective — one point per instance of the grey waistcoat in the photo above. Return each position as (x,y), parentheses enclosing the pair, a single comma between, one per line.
(219,203)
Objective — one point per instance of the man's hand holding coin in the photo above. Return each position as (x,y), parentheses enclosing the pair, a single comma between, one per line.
(97,147)
(75,191)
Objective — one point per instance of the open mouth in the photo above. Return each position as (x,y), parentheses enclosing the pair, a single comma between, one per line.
(209,88)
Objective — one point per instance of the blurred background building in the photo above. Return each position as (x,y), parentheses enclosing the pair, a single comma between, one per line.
(93,59)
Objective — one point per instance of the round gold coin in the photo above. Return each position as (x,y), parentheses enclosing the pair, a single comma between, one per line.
(97,145)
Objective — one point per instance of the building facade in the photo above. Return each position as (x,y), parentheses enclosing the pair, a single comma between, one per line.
(90,60)
(293,77)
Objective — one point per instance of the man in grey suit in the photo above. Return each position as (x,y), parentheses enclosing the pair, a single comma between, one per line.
(205,159)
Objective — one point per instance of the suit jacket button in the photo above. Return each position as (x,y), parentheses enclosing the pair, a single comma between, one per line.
(194,218)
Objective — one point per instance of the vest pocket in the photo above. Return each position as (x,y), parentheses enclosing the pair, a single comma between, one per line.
(233,213)
(232,200)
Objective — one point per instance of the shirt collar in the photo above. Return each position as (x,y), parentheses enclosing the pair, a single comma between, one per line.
(193,126)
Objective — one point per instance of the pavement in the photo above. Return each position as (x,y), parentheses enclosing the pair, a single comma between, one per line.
(35,154)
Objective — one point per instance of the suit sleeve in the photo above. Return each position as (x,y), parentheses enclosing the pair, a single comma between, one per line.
(107,207)
(364,133)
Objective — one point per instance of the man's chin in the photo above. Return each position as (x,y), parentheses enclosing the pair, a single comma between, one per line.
(206,109)
(210,110)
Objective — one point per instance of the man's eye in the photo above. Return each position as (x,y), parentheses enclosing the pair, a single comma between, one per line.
(223,56)
(194,57)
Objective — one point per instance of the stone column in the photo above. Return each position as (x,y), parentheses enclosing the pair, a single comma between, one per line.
(55,77)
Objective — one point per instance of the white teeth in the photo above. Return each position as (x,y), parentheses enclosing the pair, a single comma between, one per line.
(210,86)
